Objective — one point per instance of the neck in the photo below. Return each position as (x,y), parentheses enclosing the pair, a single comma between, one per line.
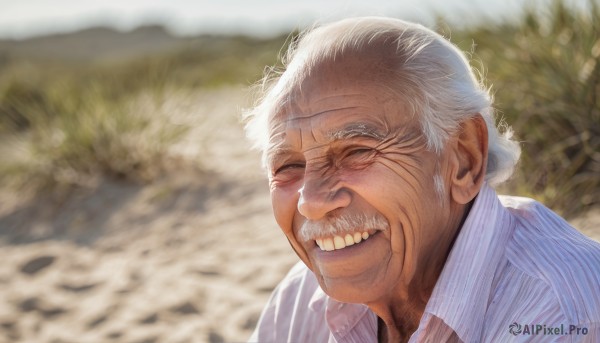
(395,329)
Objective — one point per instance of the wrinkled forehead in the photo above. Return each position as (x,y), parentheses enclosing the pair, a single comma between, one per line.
(359,87)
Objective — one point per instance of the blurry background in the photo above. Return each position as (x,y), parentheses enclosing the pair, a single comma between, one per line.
(131,209)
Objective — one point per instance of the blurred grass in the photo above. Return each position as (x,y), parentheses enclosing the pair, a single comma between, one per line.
(66,132)
(545,73)
(62,122)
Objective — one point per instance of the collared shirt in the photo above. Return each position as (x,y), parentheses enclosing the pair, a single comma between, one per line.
(517,273)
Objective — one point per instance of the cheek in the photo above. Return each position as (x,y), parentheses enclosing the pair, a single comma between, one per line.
(398,193)
(284,202)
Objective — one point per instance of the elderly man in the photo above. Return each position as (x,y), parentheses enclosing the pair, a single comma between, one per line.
(382,152)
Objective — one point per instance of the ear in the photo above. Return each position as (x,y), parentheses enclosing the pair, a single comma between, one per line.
(470,159)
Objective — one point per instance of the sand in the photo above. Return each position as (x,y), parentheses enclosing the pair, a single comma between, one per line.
(192,257)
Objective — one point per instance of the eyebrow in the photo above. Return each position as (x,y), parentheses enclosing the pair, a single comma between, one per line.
(356,130)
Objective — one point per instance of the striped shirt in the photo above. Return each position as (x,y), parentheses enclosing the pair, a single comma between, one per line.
(516,273)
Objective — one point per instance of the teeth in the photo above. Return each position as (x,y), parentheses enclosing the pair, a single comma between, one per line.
(338,242)
(357,237)
(328,244)
(320,243)
(349,240)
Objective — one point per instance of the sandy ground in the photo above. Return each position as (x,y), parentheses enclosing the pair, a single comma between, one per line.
(190,258)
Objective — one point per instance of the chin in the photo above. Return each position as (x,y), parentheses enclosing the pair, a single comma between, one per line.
(348,291)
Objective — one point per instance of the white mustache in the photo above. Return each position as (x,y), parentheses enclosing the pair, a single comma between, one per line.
(341,226)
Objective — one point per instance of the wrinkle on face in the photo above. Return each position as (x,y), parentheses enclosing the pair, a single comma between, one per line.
(354,147)
(404,160)
(350,134)
(398,150)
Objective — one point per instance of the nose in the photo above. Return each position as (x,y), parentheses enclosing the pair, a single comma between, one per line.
(320,195)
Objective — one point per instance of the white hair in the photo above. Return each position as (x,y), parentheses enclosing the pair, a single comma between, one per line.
(430,74)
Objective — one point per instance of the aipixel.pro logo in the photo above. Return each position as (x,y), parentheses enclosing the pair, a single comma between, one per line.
(515,328)
(546,330)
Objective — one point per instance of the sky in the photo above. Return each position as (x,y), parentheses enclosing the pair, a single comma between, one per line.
(25,18)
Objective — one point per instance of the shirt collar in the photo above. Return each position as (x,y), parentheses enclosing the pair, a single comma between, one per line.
(340,317)
(462,292)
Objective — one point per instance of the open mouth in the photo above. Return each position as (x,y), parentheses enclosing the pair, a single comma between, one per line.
(340,242)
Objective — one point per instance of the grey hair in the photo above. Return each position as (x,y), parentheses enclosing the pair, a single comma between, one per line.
(432,76)
(347,223)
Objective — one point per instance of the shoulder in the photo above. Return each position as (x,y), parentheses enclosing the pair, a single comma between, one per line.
(550,250)
(296,289)
(289,314)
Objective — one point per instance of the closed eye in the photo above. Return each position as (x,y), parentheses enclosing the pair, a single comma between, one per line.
(290,166)
(356,157)
(359,151)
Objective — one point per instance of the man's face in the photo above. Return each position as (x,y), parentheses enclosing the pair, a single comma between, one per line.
(346,159)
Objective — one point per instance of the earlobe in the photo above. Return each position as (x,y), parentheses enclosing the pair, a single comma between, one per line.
(470,159)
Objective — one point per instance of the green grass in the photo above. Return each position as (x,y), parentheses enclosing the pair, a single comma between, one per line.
(64,124)
(545,72)
(70,135)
